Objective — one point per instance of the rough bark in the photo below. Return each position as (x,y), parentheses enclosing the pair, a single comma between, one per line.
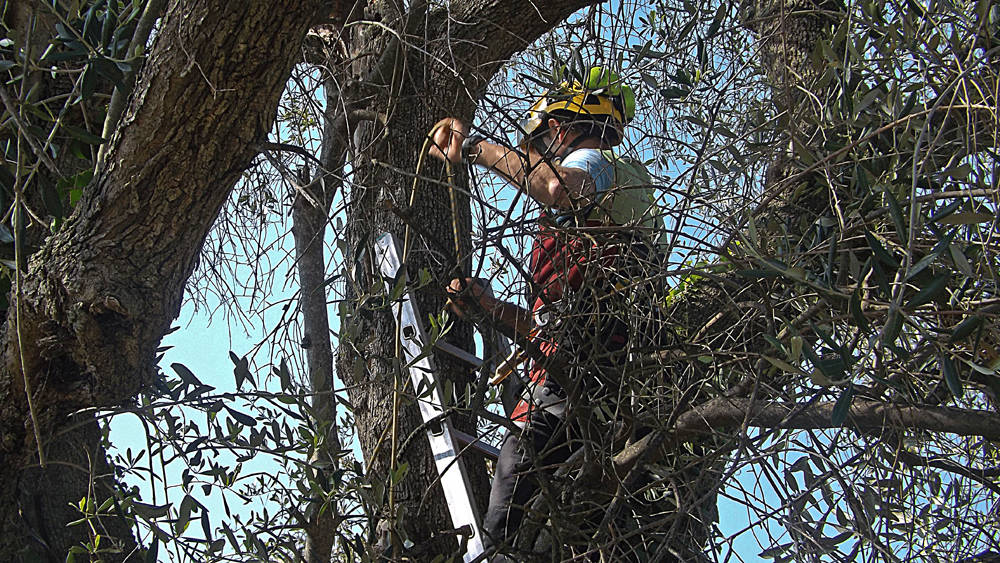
(421,513)
(75,455)
(788,32)
(99,295)
(426,91)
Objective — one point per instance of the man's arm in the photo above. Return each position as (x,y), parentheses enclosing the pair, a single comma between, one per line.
(550,184)
(469,298)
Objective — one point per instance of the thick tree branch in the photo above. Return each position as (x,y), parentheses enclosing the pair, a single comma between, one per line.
(99,295)
(724,413)
(136,234)
(493,38)
(982,476)
(863,415)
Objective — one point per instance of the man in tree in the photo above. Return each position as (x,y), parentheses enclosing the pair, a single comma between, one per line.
(565,163)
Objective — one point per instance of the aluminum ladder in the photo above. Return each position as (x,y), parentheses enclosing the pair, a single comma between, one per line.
(446,441)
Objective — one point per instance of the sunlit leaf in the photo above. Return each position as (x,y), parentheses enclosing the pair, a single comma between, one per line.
(782,365)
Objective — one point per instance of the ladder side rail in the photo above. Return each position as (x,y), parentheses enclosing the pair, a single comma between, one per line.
(413,339)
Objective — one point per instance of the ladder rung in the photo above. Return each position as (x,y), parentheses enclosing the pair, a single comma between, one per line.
(456,352)
(476,444)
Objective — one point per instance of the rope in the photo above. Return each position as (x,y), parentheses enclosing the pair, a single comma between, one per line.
(396,387)
(450,176)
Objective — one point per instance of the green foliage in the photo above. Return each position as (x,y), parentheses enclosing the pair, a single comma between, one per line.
(249,445)
(55,91)
(872,240)
(833,243)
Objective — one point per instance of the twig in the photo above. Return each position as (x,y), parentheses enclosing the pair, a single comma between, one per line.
(16,116)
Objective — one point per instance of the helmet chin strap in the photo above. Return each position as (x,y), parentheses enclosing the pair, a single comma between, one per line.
(548,148)
(573,144)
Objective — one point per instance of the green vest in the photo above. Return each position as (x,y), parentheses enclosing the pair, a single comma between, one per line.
(631,200)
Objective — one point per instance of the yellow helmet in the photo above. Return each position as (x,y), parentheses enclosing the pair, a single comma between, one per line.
(603,101)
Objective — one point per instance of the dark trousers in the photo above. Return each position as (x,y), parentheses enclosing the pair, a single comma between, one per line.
(526,457)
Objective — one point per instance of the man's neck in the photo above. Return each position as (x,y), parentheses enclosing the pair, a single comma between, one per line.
(588,143)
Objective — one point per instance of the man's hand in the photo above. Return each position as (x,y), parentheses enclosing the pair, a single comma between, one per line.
(464,294)
(446,139)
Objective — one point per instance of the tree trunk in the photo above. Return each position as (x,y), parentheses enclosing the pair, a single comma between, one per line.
(788,31)
(419,511)
(425,91)
(99,295)
(309,220)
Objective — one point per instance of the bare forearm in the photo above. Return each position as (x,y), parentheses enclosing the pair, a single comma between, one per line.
(502,160)
(470,298)
(508,317)
(513,319)
(545,182)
